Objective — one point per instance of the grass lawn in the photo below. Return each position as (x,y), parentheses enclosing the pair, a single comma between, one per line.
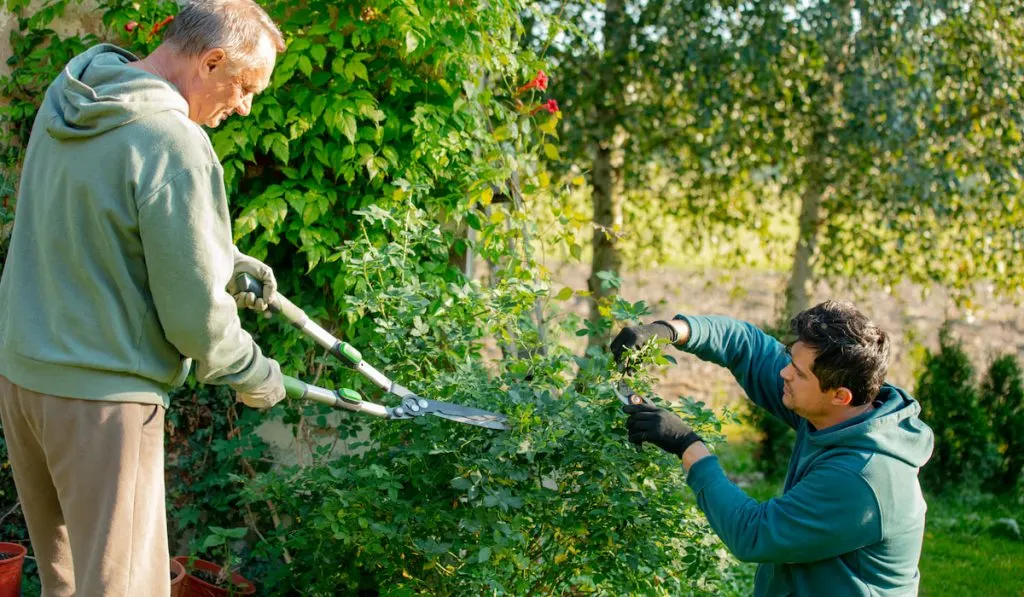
(961,556)
(969,564)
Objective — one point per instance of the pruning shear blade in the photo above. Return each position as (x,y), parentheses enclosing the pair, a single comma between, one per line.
(627,396)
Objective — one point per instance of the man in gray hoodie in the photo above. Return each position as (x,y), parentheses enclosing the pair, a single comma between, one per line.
(116,281)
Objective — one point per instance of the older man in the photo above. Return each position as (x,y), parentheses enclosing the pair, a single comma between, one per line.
(850,520)
(115,282)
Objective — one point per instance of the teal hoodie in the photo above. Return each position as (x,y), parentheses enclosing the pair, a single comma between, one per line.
(116,271)
(851,517)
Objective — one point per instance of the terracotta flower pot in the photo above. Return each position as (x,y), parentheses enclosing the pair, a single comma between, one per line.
(10,569)
(198,587)
(177,579)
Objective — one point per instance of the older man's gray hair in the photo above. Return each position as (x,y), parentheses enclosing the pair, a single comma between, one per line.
(236,26)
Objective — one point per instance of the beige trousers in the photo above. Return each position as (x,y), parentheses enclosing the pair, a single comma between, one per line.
(90,477)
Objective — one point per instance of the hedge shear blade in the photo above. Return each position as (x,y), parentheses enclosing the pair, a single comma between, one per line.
(411,406)
(416,406)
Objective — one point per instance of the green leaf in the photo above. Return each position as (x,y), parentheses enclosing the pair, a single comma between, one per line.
(305,65)
(484,555)
(276,114)
(310,213)
(356,69)
(486,195)
(551,151)
(317,109)
(348,127)
(411,42)
(298,45)
(502,133)
(236,533)
(564,294)
(319,54)
(280,149)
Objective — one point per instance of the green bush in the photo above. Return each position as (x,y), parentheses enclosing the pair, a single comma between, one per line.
(1002,397)
(774,442)
(560,505)
(775,438)
(965,455)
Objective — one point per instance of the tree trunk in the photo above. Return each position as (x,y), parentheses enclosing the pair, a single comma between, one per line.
(801,281)
(607,201)
(606,176)
(816,169)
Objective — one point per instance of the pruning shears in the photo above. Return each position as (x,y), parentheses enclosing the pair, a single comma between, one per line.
(411,406)
(627,396)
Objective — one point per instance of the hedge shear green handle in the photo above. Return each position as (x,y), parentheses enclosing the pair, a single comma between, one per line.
(342,398)
(298,318)
(412,405)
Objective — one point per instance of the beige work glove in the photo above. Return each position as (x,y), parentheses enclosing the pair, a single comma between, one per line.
(268,393)
(262,272)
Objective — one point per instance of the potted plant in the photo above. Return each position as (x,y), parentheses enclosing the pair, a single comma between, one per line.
(177,579)
(12,558)
(211,579)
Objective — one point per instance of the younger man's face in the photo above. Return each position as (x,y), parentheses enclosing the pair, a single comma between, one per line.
(801,389)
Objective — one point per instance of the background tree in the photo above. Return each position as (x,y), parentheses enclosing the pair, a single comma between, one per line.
(887,130)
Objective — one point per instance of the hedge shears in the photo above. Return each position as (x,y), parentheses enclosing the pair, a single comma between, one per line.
(411,405)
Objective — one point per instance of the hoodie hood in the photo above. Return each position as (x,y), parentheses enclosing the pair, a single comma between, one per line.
(892,428)
(98,92)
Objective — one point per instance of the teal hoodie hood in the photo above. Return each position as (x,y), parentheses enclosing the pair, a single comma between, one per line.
(892,429)
(97,94)
(116,274)
(850,521)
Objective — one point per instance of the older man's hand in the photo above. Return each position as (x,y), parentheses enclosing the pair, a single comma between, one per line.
(262,272)
(268,393)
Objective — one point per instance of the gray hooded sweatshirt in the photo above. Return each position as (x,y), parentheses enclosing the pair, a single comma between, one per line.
(116,273)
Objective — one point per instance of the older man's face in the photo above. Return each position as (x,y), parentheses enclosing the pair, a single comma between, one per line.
(223,89)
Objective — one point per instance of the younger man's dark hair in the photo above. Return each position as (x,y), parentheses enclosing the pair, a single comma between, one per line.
(852,352)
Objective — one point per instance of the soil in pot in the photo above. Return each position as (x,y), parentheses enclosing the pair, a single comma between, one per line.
(203,576)
(214,579)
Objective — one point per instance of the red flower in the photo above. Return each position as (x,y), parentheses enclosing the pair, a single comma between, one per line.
(131,26)
(551,105)
(539,82)
(161,24)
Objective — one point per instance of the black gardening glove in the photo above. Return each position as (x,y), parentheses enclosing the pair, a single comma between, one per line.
(661,427)
(635,337)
